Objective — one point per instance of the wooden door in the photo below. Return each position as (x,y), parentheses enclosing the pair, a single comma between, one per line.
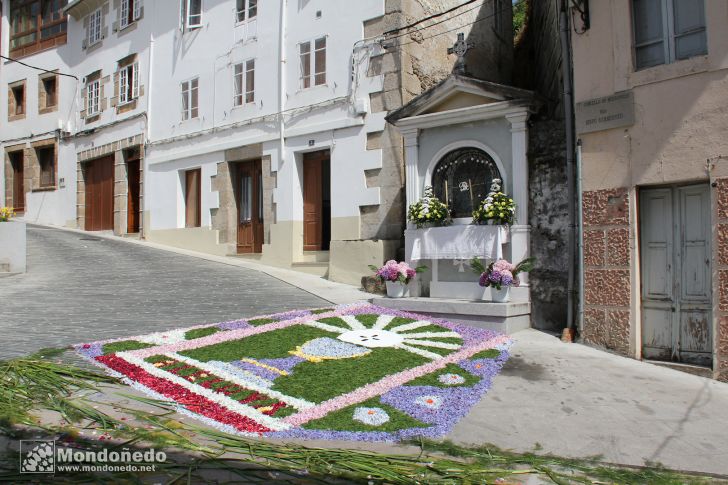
(316,223)
(249,194)
(17,162)
(99,182)
(133,207)
(193,199)
(676,274)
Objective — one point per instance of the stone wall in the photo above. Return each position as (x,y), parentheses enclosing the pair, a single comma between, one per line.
(607,269)
(720,251)
(549,220)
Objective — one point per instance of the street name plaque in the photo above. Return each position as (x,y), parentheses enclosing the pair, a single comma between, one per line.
(605,113)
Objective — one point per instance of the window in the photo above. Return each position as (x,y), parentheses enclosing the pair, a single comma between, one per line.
(666,31)
(48,92)
(129,12)
(33,21)
(313,64)
(462,180)
(189,99)
(93,97)
(93,30)
(129,83)
(191,14)
(246,10)
(193,191)
(244,79)
(47,161)
(16,100)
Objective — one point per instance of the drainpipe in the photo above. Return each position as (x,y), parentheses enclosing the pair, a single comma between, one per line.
(580,226)
(147,135)
(282,84)
(569,122)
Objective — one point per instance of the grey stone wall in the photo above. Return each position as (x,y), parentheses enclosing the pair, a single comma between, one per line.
(549,219)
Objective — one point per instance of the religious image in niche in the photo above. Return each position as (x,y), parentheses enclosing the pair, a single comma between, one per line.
(462,179)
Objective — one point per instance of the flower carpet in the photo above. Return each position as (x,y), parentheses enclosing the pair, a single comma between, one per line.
(353,372)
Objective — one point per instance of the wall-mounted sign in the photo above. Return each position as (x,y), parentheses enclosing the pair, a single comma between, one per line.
(605,113)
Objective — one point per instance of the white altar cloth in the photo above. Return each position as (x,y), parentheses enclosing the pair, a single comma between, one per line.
(455,242)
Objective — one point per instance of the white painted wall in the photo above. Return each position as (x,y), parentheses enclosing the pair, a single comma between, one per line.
(210,52)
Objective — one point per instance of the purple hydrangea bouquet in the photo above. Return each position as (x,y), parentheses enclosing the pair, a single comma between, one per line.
(500,275)
(397,276)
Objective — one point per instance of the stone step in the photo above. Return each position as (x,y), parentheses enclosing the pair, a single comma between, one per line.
(248,256)
(318,269)
(314,257)
(501,317)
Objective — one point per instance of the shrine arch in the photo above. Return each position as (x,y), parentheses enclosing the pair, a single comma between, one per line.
(465,158)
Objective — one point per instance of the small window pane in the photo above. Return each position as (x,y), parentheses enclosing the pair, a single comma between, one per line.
(650,55)
(246,198)
(320,61)
(691,45)
(250,82)
(252,8)
(305,50)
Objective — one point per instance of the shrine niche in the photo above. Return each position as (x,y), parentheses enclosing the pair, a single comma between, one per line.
(462,178)
(460,137)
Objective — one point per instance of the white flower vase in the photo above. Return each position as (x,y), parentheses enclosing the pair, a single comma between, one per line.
(397,290)
(500,296)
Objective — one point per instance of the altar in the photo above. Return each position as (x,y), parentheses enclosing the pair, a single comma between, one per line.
(460,137)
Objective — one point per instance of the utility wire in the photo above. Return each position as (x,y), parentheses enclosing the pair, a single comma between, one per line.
(38,68)
(397,47)
(394,31)
(436,23)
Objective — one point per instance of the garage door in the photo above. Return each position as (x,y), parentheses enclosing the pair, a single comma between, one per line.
(99,177)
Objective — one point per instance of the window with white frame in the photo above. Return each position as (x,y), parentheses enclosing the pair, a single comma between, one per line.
(129,12)
(189,99)
(244,80)
(313,62)
(93,97)
(191,14)
(666,31)
(129,83)
(246,10)
(93,30)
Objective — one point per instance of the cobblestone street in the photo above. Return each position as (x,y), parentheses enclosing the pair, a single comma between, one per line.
(80,288)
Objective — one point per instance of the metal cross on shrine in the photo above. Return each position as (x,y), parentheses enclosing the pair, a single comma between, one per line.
(460,48)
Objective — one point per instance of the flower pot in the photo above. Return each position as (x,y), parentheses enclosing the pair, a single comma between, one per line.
(500,296)
(397,290)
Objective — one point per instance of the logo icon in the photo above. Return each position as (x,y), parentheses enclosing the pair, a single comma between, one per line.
(37,456)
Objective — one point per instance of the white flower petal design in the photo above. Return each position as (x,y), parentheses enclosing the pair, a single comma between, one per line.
(432,343)
(354,324)
(383,321)
(427,334)
(422,352)
(411,326)
(379,335)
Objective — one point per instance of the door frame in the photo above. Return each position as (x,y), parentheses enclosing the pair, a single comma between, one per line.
(19,156)
(257,211)
(320,157)
(677,266)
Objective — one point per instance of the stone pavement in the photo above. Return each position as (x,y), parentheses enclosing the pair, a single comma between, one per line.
(80,287)
(565,399)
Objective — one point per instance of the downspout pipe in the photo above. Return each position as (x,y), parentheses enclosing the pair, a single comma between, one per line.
(566,62)
(580,225)
(282,84)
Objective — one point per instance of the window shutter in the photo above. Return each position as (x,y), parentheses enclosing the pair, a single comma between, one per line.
(114,100)
(123,86)
(102,99)
(135,80)
(138,9)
